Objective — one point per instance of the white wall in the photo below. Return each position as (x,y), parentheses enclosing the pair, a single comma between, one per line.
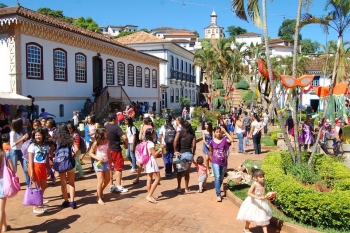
(248,40)
(288,51)
(5,63)
(49,88)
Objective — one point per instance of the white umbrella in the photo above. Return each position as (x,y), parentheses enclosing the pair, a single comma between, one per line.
(11,98)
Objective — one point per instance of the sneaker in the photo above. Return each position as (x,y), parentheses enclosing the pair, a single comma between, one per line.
(112,188)
(132,170)
(121,189)
(73,205)
(218,199)
(65,204)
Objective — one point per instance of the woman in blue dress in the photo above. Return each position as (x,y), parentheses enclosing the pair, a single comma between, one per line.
(207,137)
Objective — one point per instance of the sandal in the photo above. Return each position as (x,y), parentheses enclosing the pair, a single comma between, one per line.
(136,181)
(155,198)
(101,202)
(187,191)
(178,190)
(151,200)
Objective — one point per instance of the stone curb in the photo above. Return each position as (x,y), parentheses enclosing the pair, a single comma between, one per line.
(277,223)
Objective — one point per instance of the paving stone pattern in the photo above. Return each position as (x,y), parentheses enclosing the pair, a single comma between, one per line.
(130,212)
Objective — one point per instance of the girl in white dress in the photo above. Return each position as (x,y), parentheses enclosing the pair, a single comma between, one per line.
(151,167)
(255,208)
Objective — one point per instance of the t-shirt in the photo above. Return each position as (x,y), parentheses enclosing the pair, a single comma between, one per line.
(44,114)
(266,117)
(75,120)
(201,169)
(114,132)
(130,133)
(220,151)
(257,126)
(246,121)
(144,128)
(40,152)
(14,137)
(186,142)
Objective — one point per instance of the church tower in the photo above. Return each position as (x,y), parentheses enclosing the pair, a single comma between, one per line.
(213,31)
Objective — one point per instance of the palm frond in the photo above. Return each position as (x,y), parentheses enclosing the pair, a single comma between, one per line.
(239,9)
(307,19)
(254,13)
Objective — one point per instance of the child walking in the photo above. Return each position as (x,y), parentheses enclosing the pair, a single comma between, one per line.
(202,173)
(101,154)
(255,208)
(38,162)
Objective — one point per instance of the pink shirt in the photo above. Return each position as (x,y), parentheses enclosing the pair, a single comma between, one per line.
(201,169)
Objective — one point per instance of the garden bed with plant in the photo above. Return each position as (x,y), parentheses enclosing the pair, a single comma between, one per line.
(316,196)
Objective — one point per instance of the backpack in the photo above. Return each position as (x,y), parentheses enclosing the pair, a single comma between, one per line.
(141,154)
(63,160)
(137,136)
(82,145)
(169,135)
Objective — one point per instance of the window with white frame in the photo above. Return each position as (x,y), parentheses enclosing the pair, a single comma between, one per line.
(186,93)
(147,78)
(60,64)
(193,96)
(182,65)
(130,75)
(154,79)
(121,74)
(186,67)
(177,95)
(34,61)
(189,94)
(138,76)
(171,95)
(177,64)
(109,72)
(172,61)
(80,67)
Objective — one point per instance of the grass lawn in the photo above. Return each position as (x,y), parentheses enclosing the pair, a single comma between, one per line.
(267,141)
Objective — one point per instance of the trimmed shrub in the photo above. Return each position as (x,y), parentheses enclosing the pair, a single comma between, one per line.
(303,203)
(248,96)
(243,84)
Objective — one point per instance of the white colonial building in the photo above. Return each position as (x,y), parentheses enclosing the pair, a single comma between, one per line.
(111,30)
(177,76)
(62,65)
(213,31)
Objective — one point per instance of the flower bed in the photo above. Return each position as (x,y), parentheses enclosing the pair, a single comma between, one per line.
(303,202)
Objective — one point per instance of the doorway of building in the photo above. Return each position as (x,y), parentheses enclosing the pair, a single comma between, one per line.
(97,83)
(314,104)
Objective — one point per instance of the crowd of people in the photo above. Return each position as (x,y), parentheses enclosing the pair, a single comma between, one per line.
(36,144)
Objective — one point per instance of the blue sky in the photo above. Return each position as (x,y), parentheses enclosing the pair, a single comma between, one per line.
(189,14)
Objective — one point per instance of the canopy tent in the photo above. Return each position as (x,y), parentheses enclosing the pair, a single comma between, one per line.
(11,98)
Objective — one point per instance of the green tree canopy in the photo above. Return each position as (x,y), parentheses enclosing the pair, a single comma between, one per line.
(55,13)
(308,46)
(123,33)
(2,5)
(87,23)
(234,31)
(287,29)
(144,29)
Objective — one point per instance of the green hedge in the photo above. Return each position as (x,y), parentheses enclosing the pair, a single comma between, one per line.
(303,203)
(243,84)
(273,135)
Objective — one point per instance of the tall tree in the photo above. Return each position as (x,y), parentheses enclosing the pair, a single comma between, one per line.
(338,18)
(287,29)
(55,13)
(87,23)
(2,5)
(254,14)
(308,46)
(234,31)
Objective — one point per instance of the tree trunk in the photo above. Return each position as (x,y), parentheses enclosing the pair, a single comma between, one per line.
(336,62)
(273,85)
(295,75)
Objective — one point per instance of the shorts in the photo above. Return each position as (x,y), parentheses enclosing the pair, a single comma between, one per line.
(40,171)
(202,178)
(102,167)
(188,156)
(117,160)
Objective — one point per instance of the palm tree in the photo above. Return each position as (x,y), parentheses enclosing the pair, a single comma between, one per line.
(254,14)
(338,18)
(204,58)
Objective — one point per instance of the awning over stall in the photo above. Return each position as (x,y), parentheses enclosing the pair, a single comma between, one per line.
(11,98)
